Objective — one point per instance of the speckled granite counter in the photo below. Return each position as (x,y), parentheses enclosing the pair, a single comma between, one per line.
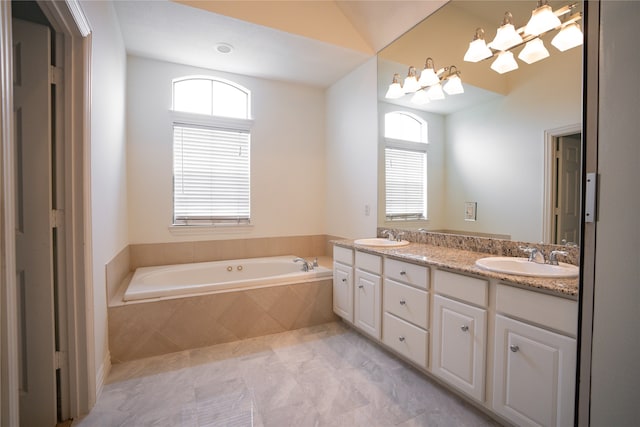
(464,261)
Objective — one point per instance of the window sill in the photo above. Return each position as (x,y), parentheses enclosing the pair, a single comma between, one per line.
(181,230)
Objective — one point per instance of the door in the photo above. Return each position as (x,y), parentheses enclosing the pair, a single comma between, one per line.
(343,291)
(367,302)
(567,203)
(34,246)
(459,333)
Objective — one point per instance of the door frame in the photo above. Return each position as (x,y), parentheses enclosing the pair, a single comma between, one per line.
(550,136)
(68,19)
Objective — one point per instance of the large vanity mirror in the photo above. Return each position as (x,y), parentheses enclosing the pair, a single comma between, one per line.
(503,158)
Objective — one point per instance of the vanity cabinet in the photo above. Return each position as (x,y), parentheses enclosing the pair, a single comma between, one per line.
(343,283)
(406,309)
(534,367)
(368,293)
(459,332)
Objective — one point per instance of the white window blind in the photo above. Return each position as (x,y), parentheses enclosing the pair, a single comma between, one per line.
(211,175)
(405,183)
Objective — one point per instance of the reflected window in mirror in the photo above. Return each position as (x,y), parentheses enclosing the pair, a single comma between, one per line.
(405,166)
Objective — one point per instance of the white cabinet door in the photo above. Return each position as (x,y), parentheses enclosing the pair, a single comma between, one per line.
(367,302)
(343,291)
(459,336)
(534,374)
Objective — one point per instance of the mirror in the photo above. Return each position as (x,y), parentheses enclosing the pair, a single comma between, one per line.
(504,157)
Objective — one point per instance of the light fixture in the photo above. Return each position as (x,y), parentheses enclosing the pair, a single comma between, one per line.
(569,37)
(428,77)
(533,51)
(506,35)
(504,63)
(420,98)
(542,19)
(410,82)
(478,49)
(395,90)
(453,84)
(435,93)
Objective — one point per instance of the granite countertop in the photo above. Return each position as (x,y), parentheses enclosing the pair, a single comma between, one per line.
(464,261)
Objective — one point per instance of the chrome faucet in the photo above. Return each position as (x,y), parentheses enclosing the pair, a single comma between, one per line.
(535,254)
(306,265)
(399,236)
(553,256)
(388,233)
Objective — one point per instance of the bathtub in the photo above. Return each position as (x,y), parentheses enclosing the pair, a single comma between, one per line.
(214,276)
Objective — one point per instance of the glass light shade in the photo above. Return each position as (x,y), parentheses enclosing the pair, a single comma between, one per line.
(533,51)
(420,98)
(569,37)
(478,50)
(428,77)
(453,86)
(542,19)
(395,91)
(504,63)
(506,37)
(410,84)
(435,92)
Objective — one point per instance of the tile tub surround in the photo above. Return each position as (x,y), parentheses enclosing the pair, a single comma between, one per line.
(499,247)
(154,327)
(463,261)
(323,375)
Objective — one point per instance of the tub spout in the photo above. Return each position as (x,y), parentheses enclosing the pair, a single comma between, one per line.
(306,265)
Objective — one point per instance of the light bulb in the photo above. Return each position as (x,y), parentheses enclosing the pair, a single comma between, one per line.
(542,19)
(504,63)
(453,86)
(533,51)
(569,37)
(478,50)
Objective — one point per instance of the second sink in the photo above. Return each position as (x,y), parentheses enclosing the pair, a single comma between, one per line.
(524,267)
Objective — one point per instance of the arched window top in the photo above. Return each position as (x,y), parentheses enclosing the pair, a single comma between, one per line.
(405,127)
(211,96)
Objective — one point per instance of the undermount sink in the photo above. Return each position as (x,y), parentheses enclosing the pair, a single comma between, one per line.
(524,267)
(381,241)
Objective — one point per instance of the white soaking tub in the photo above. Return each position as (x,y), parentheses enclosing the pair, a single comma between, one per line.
(210,277)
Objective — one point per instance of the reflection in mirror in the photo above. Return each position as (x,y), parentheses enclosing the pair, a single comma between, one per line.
(509,145)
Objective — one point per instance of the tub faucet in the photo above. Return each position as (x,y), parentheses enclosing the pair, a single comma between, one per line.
(306,265)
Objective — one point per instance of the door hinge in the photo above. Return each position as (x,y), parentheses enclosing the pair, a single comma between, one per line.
(55,75)
(61,359)
(57,218)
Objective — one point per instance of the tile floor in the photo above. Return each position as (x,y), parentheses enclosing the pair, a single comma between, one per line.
(325,375)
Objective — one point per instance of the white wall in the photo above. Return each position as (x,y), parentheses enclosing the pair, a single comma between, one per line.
(495,151)
(615,373)
(108,159)
(352,153)
(287,155)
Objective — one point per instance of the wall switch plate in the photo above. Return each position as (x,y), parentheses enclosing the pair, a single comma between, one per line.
(470,211)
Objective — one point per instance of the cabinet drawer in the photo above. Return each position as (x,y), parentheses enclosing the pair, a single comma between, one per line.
(343,255)
(558,313)
(405,338)
(465,288)
(368,262)
(411,274)
(408,303)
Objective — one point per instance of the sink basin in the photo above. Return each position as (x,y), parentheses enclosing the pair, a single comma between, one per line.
(524,267)
(382,242)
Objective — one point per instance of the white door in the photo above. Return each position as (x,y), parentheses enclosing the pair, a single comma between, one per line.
(569,162)
(459,334)
(34,263)
(368,307)
(343,291)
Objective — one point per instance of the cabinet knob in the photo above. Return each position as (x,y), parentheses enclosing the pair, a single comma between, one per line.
(344,279)
(401,338)
(403,273)
(464,328)
(514,348)
(361,286)
(402,302)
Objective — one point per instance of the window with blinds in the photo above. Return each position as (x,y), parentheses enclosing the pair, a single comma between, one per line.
(211,153)
(405,167)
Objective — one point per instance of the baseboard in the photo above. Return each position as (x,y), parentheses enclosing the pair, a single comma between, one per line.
(103,373)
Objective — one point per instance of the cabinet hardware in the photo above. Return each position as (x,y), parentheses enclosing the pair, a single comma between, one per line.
(402,302)
(464,328)
(514,348)
(361,286)
(403,273)
(401,339)
(344,279)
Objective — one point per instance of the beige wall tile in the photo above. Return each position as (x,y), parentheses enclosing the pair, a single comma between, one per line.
(116,270)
